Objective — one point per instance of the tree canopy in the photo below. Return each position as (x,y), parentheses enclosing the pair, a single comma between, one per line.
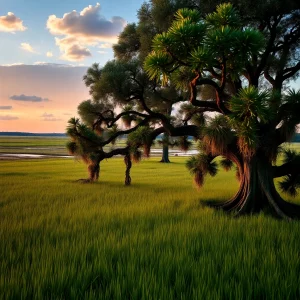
(215,60)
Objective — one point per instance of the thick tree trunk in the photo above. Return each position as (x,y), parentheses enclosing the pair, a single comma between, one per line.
(257,192)
(94,171)
(165,149)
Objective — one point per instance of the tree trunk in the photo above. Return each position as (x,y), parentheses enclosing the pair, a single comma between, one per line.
(165,149)
(128,164)
(257,192)
(94,171)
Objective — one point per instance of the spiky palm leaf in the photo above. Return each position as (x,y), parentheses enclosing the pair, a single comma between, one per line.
(226,164)
(183,143)
(136,155)
(141,137)
(217,135)
(225,15)
(201,165)
(290,183)
(250,104)
(72,147)
(191,14)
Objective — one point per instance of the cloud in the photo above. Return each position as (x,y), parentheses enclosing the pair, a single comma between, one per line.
(105,45)
(53,65)
(8,118)
(5,107)
(11,65)
(102,52)
(88,24)
(72,50)
(50,117)
(11,23)
(45,115)
(25,98)
(83,29)
(39,63)
(27,47)
(49,54)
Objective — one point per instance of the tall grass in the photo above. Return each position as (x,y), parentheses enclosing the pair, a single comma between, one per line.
(60,239)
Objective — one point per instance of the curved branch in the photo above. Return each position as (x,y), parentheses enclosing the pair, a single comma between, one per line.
(118,151)
(218,105)
(122,132)
(124,113)
(289,72)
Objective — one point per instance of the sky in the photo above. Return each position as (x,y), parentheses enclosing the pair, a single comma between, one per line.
(46,48)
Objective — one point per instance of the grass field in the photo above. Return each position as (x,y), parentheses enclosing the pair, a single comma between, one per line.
(60,239)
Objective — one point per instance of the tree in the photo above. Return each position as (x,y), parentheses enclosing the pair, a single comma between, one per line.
(236,68)
(247,68)
(135,41)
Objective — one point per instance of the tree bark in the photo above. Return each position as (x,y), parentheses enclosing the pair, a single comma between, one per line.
(165,149)
(257,192)
(128,164)
(94,171)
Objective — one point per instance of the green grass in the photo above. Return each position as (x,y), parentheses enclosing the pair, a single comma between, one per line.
(60,239)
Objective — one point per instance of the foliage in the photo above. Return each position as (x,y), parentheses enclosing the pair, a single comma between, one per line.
(221,61)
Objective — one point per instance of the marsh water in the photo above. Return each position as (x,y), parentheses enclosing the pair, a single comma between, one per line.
(154,152)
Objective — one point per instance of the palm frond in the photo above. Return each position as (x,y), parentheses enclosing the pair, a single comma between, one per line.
(136,155)
(225,15)
(290,185)
(183,143)
(201,165)
(72,147)
(217,135)
(226,164)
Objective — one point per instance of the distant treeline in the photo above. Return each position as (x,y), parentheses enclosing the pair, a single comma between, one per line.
(296,138)
(32,134)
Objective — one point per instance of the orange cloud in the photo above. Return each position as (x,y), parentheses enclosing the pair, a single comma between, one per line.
(50,117)
(11,23)
(8,118)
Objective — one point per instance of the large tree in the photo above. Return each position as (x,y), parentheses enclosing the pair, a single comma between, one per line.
(247,68)
(237,68)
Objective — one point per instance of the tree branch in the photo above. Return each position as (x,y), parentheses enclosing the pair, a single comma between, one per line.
(289,72)
(289,168)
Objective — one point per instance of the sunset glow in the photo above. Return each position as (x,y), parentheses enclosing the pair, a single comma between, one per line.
(45,51)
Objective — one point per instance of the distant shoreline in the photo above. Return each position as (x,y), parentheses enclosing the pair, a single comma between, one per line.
(30,134)
(296,138)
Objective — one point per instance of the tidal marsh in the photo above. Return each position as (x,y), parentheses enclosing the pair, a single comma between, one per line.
(60,239)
